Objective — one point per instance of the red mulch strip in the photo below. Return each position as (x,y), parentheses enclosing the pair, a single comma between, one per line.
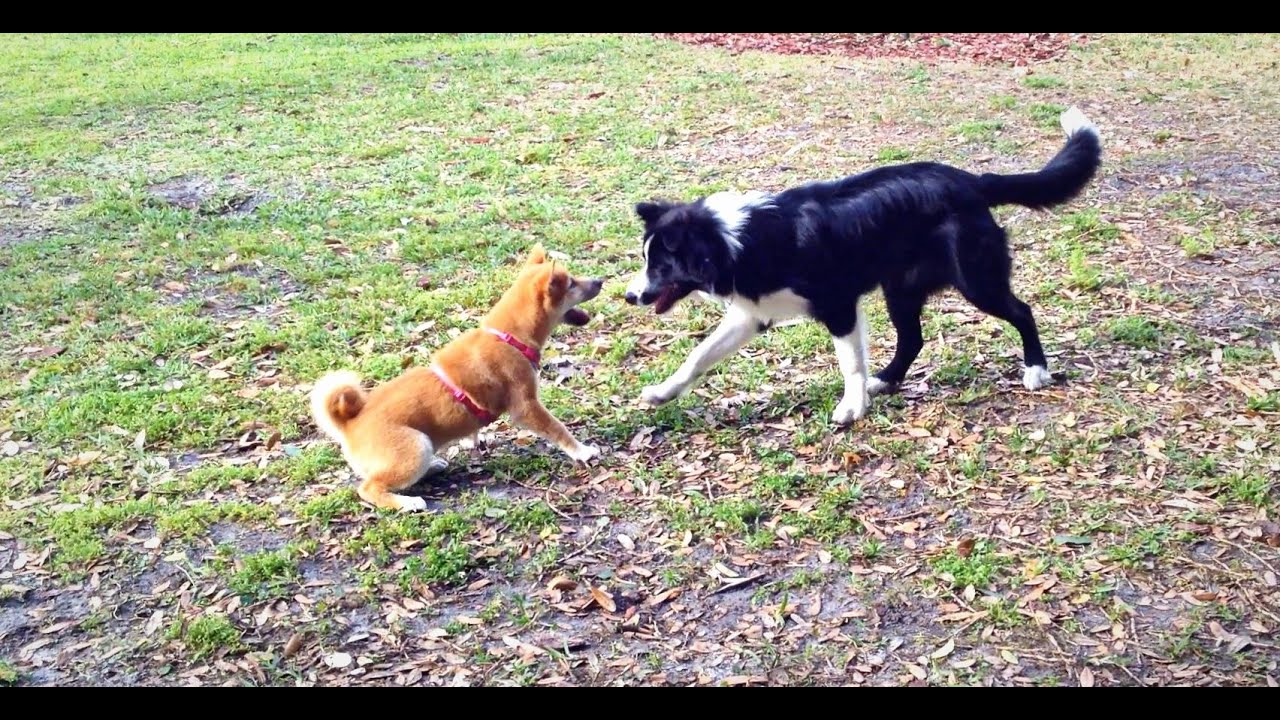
(995,48)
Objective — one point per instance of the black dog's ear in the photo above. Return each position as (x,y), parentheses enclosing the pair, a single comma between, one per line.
(672,238)
(650,212)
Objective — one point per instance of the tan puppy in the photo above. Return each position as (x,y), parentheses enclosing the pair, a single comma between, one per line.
(392,434)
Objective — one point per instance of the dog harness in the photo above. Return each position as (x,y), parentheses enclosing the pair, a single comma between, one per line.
(484,416)
(531,353)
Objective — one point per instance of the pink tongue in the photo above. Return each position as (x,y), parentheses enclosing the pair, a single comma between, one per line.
(665,300)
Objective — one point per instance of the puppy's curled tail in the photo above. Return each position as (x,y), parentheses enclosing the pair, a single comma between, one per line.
(1059,181)
(335,400)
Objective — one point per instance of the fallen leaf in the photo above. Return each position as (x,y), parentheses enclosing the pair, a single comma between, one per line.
(1071,540)
(947,648)
(294,644)
(916,671)
(735,680)
(604,599)
(662,597)
(1086,677)
(965,547)
(154,622)
(560,582)
(337,660)
(1270,534)
(44,353)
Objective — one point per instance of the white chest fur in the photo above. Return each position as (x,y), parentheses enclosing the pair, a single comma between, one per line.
(774,307)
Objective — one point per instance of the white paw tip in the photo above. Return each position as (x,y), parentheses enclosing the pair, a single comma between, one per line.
(1035,377)
(587,453)
(411,503)
(875,385)
(655,395)
(1073,120)
(848,412)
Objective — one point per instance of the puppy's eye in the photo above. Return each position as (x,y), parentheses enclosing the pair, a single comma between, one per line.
(572,282)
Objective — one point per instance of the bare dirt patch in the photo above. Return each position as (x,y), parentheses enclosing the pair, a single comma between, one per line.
(999,48)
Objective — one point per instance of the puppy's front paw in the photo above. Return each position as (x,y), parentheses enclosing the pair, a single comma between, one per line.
(410,503)
(850,410)
(585,453)
(875,386)
(1035,377)
(436,466)
(658,394)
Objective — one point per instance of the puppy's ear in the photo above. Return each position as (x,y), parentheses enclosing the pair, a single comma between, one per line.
(557,280)
(651,212)
(537,255)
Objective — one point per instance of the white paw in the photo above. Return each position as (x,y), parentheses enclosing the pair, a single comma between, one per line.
(1035,377)
(658,394)
(875,386)
(851,409)
(436,466)
(409,503)
(585,453)
(1074,120)
(468,443)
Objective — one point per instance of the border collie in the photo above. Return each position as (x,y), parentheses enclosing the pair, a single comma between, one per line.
(815,250)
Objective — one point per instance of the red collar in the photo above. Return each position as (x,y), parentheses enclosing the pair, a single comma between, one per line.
(531,353)
(484,416)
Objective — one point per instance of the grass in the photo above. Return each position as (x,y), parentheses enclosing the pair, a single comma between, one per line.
(357,200)
(1043,82)
(265,574)
(1137,332)
(207,635)
(979,567)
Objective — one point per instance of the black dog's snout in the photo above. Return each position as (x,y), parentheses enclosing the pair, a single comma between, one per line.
(632,298)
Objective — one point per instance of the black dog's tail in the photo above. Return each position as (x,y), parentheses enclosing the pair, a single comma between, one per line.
(1059,181)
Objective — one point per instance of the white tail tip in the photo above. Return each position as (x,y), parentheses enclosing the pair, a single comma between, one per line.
(1074,121)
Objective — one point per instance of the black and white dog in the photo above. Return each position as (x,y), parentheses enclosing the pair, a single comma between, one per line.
(816,249)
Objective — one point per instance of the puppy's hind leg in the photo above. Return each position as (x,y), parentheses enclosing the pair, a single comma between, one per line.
(404,457)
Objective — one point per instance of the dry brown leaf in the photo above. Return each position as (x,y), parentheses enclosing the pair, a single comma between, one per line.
(1086,677)
(560,582)
(604,599)
(663,596)
(947,648)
